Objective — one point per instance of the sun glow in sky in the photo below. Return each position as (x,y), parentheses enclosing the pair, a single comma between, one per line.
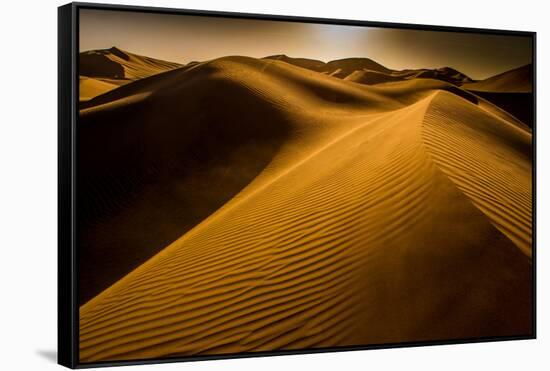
(183,38)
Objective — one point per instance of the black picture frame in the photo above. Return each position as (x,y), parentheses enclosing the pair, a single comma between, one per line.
(68,49)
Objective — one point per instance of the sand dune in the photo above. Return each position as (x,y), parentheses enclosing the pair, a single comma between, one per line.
(469,147)
(310,64)
(344,67)
(92,87)
(338,68)
(367,71)
(103,70)
(518,80)
(446,74)
(342,213)
(154,174)
(511,91)
(371,77)
(118,64)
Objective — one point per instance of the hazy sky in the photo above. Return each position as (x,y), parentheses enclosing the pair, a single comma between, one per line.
(182,38)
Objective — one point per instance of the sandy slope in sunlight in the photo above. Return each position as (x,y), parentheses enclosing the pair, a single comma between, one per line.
(331,212)
(103,70)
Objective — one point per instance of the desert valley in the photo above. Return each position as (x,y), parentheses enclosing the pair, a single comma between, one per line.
(247,204)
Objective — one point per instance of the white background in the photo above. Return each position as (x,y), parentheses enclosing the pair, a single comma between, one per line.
(28,181)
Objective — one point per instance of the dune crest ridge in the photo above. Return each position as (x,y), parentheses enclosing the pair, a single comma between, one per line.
(470,147)
(387,213)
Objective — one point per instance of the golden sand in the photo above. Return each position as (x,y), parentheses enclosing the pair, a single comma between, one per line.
(393,212)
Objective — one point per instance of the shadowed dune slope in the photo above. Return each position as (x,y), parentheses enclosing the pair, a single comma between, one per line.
(488,158)
(520,105)
(354,227)
(151,150)
(445,74)
(518,80)
(156,158)
(511,91)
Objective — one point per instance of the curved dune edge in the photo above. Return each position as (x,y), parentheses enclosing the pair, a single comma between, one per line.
(489,159)
(174,149)
(356,242)
(119,64)
(515,80)
(90,87)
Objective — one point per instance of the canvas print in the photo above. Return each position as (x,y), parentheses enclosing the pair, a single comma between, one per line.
(250,185)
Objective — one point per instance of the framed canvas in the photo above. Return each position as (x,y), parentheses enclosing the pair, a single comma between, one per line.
(236,185)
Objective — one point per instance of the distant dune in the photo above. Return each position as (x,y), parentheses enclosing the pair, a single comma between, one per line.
(113,67)
(345,67)
(242,205)
(310,64)
(371,77)
(514,81)
(339,68)
(91,87)
(367,71)
(511,90)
